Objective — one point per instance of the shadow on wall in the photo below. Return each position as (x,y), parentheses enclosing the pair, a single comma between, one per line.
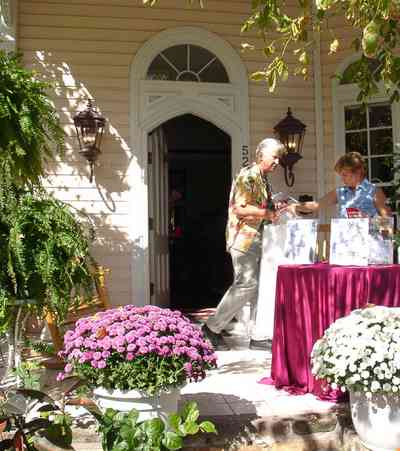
(106,201)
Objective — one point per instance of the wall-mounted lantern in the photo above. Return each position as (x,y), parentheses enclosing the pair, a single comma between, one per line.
(89,125)
(291,133)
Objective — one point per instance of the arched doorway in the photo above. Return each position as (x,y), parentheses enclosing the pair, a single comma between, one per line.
(157,97)
(199,175)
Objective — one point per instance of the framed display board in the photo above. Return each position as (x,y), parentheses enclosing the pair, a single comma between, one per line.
(381,240)
(301,241)
(349,242)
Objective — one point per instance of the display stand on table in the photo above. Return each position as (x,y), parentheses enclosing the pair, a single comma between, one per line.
(289,243)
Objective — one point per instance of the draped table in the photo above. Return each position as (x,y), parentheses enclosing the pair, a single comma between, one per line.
(308,299)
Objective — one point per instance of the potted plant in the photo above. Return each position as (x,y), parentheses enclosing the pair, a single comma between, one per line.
(45,261)
(124,430)
(44,253)
(361,353)
(137,357)
(29,416)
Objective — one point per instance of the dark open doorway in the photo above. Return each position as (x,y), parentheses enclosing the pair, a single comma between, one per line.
(199,162)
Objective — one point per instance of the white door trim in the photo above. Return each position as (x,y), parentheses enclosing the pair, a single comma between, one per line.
(154,102)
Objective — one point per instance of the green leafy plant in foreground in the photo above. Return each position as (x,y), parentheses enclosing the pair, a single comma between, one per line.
(124,432)
(27,374)
(26,413)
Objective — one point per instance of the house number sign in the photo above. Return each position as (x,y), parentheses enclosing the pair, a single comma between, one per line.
(245,155)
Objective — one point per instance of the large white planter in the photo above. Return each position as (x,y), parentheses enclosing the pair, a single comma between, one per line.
(148,406)
(377,420)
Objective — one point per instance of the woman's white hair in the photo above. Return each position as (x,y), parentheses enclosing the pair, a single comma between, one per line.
(267,146)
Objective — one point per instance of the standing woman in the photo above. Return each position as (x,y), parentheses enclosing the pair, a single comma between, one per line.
(356,193)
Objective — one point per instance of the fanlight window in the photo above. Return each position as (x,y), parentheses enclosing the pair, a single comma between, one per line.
(187,62)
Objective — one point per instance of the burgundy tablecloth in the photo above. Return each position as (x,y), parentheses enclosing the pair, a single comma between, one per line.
(311,297)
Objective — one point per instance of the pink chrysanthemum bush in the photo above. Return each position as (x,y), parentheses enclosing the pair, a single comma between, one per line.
(149,349)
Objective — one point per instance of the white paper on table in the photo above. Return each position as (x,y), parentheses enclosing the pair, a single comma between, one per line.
(381,241)
(301,241)
(349,241)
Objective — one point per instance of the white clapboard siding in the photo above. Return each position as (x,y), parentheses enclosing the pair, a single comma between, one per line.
(86,47)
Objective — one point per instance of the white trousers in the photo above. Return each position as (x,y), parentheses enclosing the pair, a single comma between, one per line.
(246,267)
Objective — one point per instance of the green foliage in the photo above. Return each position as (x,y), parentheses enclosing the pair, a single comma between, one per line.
(27,375)
(29,412)
(124,432)
(30,129)
(44,256)
(149,373)
(374,23)
(42,347)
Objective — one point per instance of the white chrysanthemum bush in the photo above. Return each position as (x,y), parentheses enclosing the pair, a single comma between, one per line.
(361,352)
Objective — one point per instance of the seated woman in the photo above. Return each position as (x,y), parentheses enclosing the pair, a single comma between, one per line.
(356,198)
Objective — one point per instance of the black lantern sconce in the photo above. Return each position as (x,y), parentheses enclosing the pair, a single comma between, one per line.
(89,125)
(291,133)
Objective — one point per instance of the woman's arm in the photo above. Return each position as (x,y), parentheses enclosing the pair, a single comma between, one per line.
(326,201)
(380,203)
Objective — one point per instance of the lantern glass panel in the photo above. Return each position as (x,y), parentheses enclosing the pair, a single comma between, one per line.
(99,136)
(292,143)
(284,139)
(88,135)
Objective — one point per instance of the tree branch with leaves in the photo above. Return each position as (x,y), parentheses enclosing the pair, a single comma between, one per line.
(376,37)
(289,31)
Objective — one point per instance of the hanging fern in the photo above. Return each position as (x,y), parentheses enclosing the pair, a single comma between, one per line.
(29,124)
(44,255)
(44,252)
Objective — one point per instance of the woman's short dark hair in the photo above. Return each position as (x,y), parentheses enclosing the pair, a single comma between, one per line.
(353,161)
